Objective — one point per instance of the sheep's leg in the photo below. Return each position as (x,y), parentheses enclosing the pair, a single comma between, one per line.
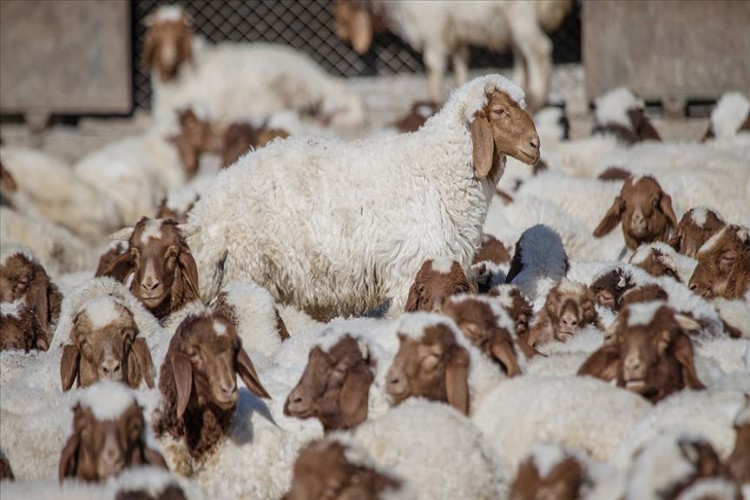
(519,68)
(434,61)
(536,49)
(461,65)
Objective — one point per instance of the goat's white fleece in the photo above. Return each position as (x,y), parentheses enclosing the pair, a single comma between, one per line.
(343,226)
(579,412)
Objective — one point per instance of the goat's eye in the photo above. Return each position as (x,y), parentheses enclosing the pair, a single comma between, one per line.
(460,289)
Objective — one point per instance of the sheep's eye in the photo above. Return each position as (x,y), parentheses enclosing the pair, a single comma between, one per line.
(430,362)
(460,289)
(498,112)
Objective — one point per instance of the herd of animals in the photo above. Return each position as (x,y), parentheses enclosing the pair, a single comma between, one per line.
(444,308)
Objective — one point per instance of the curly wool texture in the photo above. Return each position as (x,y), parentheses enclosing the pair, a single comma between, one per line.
(322,242)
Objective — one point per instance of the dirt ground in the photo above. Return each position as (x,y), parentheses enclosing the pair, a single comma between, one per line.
(386,99)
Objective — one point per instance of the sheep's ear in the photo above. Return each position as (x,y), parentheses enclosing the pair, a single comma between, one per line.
(665,205)
(602,364)
(153,457)
(412,301)
(360,29)
(68,465)
(189,272)
(119,268)
(355,395)
(248,375)
(457,379)
(611,218)
(142,356)
(483,145)
(38,294)
(71,358)
(642,126)
(505,354)
(683,352)
(183,379)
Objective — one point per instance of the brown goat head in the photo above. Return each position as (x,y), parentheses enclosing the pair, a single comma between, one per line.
(568,308)
(609,287)
(23,278)
(644,210)
(723,268)
(335,385)
(169,42)
(657,259)
(561,480)
(430,363)
(105,345)
(20,327)
(165,273)
(502,127)
(108,436)
(437,280)
(695,228)
(490,328)
(327,468)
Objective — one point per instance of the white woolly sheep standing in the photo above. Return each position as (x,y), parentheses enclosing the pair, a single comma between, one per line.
(332,240)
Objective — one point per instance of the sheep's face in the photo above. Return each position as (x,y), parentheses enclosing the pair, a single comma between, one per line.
(168,45)
(435,282)
(334,386)
(723,268)
(434,367)
(562,482)
(502,127)
(154,248)
(570,309)
(645,211)
(691,234)
(479,325)
(15,278)
(609,288)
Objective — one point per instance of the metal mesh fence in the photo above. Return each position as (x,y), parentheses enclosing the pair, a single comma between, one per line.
(308,26)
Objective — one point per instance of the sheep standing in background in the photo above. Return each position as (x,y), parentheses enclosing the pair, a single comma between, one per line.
(235,81)
(338,228)
(442,29)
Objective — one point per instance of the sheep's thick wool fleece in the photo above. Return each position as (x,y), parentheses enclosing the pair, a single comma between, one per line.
(340,227)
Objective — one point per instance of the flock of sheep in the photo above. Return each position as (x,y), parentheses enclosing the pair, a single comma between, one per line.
(464,305)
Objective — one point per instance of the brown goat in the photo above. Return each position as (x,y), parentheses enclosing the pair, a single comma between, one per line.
(198,382)
(418,114)
(108,436)
(240,137)
(738,462)
(644,210)
(20,328)
(327,469)
(22,277)
(166,277)
(105,345)
(609,287)
(334,387)
(168,45)
(490,328)
(648,351)
(657,259)
(430,363)
(562,480)
(695,228)
(437,280)
(723,268)
(568,308)
(515,304)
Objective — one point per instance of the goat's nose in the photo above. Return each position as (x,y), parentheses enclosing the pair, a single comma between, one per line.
(534,143)
(632,362)
(150,285)
(228,388)
(570,321)
(111,366)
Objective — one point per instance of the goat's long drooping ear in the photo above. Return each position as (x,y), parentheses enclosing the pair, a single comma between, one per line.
(247,373)
(69,457)
(665,205)
(642,126)
(189,272)
(38,294)
(355,395)
(602,364)
(183,379)
(611,218)
(503,352)
(683,352)
(540,329)
(483,145)
(71,358)
(361,31)
(141,355)
(457,379)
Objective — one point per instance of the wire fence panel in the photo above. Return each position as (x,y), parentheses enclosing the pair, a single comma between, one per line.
(308,26)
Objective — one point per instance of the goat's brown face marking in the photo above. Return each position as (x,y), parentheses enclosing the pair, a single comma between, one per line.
(167,47)
(107,349)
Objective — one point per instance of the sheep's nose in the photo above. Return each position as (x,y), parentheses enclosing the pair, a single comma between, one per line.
(534,143)
(693,287)
(150,285)
(570,321)
(638,218)
(111,367)
(229,389)
(632,363)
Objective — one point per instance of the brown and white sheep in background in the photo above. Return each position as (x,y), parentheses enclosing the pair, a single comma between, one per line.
(198,382)
(436,281)
(20,327)
(443,29)
(241,137)
(105,344)
(333,469)
(334,388)
(22,277)
(109,436)
(620,113)
(165,277)
(648,351)
(490,328)
(569,307)
(551,471)
(695,228)
(644,210)
(723,268)
(418,114)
